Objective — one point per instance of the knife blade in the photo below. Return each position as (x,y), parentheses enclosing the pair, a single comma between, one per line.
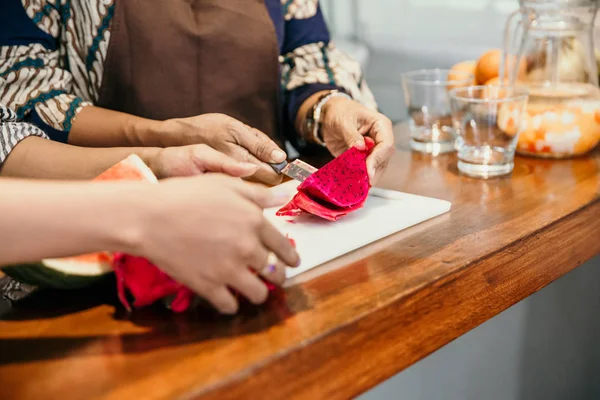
(298,170)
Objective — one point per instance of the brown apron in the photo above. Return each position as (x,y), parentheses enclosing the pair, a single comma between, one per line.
(181,58)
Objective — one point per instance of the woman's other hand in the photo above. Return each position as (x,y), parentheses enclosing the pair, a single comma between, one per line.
(206,233)
(345,122)
(197,159)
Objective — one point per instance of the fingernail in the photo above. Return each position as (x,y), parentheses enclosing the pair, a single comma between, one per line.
(278,156)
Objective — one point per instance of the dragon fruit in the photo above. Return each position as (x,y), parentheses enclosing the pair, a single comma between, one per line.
(148,284)
(340,187)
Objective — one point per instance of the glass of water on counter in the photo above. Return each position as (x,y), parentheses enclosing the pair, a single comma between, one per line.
(428,103)
(488,120)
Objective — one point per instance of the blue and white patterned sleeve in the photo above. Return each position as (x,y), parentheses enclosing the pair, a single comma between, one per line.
(311,62)
(33,78)
(13,132)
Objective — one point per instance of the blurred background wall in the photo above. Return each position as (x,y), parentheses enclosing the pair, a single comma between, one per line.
(391,36)
(547,346)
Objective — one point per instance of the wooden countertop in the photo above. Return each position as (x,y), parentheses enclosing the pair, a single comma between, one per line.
(340,329)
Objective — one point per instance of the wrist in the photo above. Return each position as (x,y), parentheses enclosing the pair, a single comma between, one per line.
(305,111)
(330,105)
(130,210)
(147,132)
(152,157)
(319,113)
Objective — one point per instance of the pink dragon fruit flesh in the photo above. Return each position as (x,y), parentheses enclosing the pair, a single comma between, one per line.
(338,188)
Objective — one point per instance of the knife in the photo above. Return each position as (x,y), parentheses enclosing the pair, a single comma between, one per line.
(298,170)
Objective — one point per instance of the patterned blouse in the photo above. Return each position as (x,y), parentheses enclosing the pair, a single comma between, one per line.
(12,132)
(52,55)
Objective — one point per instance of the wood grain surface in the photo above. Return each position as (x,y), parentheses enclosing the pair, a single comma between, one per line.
(341,328)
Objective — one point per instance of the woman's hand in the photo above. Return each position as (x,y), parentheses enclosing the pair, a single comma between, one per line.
(99,127)
(196,160)
(229,136)
(345,122)
(206,232)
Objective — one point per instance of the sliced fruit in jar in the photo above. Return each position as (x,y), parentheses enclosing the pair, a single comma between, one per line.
(561,130)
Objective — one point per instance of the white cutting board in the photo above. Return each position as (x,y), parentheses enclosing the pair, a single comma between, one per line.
(385,212)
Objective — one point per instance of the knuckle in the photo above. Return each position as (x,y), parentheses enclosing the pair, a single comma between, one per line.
(211,292)
(379,124)
(390,150)
(261,149)
(245,249)
(279,277)
(244,155)
(260,294)
(230,125)
(385,119)
(255,219)
(225,271)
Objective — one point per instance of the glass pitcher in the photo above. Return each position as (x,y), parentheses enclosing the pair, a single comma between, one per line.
(549,48)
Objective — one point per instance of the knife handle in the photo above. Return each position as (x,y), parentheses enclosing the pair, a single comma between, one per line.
(279,167)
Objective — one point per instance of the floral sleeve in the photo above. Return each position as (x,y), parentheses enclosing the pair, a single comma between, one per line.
(33,78)
(12,132)
(311,62)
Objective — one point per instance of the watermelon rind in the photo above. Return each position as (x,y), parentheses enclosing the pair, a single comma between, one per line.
(142,168)
(80,272)
(59,274)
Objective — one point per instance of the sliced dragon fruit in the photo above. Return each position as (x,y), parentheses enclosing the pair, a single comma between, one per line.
(338,188)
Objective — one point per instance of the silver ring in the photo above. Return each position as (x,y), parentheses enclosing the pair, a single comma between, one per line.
(271,264)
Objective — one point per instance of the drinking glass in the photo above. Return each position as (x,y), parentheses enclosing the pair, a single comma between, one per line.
(428,104)
(488,120)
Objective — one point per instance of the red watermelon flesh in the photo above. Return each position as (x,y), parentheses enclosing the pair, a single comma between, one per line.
(132,168)
(338,188)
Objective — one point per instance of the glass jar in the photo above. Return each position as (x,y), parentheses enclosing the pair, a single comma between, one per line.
(554,39)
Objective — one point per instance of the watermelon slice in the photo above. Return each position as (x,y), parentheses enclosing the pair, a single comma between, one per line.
(339,188)
(81,271)
(133,168)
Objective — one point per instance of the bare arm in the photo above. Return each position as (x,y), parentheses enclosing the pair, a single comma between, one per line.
(212,218)
(46,220)
(99,127)
(39,158)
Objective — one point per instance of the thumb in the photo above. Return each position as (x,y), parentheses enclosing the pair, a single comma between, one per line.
(352,136)
(260,145)
(211,160)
